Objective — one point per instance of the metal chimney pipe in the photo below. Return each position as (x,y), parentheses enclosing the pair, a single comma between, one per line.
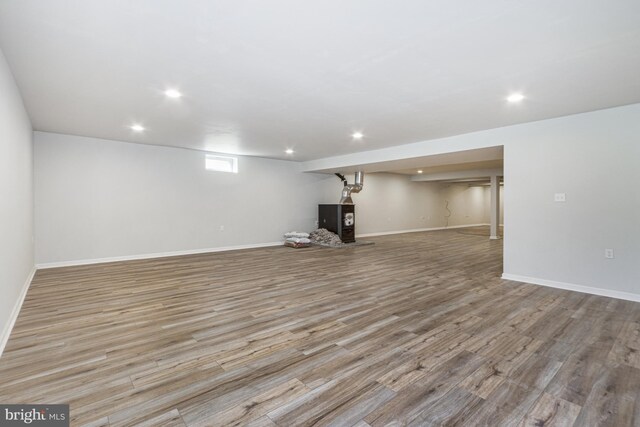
(352,188)
(359,179)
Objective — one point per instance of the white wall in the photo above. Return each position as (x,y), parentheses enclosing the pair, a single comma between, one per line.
(16,199)
(467,204)
(392,202)
(101,199)
(595,159)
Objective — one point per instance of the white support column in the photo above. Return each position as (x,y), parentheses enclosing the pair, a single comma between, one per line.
(494,206)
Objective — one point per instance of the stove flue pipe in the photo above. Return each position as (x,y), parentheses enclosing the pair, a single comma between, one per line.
(351,188)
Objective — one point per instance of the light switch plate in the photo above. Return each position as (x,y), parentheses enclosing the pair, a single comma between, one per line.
(560,197)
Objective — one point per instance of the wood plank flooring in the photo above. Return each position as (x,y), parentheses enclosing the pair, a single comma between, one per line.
(415,330)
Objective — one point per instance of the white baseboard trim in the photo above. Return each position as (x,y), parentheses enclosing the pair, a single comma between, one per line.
(573,287)
(74,263)
(6,332)
(416,230)
(153,255)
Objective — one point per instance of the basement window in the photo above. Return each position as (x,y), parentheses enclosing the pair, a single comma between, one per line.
(221,163)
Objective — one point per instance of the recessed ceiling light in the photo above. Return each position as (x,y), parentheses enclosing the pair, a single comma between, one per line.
(357,136)
(288,151)
(137,128)
(515,97)
(420,171)
(172,93)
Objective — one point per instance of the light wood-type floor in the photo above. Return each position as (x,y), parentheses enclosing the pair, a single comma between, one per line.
(417,329)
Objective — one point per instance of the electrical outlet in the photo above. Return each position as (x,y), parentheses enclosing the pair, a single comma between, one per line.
(560,197)
(222,228)
(608,253)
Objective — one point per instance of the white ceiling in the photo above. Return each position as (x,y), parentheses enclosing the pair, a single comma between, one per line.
(262,76)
